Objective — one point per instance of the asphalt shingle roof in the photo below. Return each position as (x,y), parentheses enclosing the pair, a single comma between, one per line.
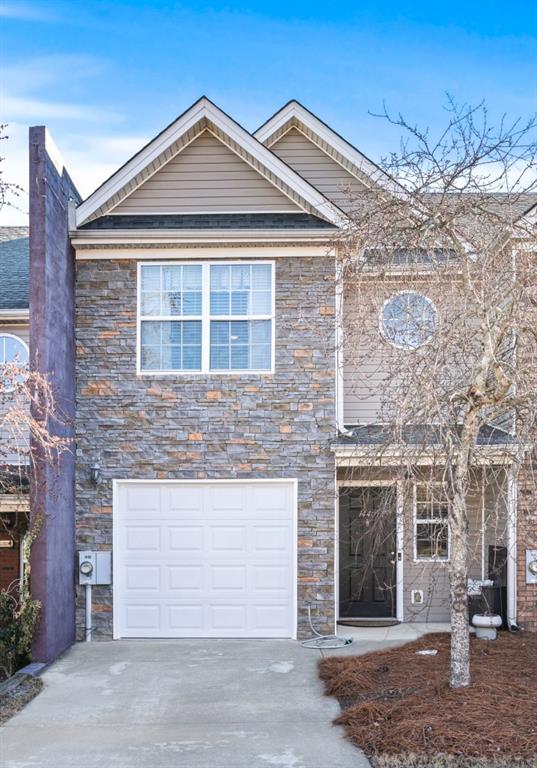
(14,264)
(204,221)
(382,435)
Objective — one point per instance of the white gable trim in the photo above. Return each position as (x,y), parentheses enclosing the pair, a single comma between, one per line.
(294,112)
(205,110)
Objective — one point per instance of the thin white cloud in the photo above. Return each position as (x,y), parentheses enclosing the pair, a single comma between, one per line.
(31,74)
(24,12)
(89,159)
(28,109)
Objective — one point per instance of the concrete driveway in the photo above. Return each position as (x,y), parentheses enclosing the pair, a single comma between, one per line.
(180,703)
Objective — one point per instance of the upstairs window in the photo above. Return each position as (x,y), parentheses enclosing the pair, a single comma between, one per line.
(206,317)
(408,320)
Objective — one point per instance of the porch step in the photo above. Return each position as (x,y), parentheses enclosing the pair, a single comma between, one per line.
(368,622)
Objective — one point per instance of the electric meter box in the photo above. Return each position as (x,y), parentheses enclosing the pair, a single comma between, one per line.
(531,566)
(94,567)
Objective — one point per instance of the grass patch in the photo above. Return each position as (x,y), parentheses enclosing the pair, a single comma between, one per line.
(398,707)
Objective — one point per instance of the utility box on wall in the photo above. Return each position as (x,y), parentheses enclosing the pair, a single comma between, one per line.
(94,567)
(531,566)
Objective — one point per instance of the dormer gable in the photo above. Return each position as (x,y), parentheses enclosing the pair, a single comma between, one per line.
(205,162)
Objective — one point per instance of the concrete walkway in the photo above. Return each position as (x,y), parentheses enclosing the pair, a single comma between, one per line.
(182,704)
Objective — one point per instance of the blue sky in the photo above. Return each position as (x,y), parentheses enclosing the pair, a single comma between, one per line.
(106,76)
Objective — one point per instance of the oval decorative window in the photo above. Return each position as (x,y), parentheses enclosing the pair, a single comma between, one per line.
(408,320)
(12,351)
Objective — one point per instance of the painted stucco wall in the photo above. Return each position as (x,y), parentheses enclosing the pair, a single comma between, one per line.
(210,426)
(52,354)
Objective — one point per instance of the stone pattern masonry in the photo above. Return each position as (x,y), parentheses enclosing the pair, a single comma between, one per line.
(210,426)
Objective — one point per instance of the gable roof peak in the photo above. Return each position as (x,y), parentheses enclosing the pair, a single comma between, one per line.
(203,114)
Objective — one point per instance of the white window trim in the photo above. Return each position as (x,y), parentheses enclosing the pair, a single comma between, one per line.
(382,330)
(205,319)
(415,557)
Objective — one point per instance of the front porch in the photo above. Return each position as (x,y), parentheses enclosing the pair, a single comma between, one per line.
(394,548)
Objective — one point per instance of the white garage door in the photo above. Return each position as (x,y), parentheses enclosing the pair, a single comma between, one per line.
(204,559)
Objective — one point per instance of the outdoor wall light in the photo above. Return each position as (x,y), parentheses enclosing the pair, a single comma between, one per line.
(95,473)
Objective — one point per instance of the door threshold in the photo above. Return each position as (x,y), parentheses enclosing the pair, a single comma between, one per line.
(372,622)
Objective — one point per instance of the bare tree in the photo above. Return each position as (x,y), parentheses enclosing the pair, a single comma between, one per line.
(439,320)
(9,192)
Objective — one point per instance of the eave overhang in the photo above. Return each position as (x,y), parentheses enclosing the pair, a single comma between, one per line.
(395,456)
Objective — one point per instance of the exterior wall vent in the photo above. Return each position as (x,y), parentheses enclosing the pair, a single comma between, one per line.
(416,597)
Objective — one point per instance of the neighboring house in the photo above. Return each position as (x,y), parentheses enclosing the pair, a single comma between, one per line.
(14,339)
(217,428)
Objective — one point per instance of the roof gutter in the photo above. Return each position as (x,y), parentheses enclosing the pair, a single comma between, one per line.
(14,314)
(192,236)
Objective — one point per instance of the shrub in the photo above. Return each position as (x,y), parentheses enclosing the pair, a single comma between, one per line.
(19,614)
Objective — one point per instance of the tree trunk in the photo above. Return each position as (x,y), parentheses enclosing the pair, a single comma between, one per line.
(458,585)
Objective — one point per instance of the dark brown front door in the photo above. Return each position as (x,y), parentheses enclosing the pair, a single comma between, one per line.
(367,552)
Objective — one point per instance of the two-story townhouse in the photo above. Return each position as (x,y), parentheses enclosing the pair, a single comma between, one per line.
(223,443)
(14,340)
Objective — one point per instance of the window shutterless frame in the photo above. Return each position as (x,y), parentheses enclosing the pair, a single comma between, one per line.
(428,520)
(206,318)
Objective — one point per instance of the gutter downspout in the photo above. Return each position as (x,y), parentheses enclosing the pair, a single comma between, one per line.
(340,414)
(512,491)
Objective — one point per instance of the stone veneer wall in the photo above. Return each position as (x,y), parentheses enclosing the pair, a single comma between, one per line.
(200,426)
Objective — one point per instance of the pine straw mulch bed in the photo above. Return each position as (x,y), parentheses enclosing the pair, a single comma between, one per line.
(398,707)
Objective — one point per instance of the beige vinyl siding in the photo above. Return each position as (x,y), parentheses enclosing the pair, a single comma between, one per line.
(365,361)
(206,177)
(432,577)
(314,165)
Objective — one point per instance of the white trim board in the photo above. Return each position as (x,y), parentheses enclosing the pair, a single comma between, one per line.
(213,252)
(205,110)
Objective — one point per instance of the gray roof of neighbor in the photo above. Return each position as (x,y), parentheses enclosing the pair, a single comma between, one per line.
(206,221)
(380,435)
(14,264)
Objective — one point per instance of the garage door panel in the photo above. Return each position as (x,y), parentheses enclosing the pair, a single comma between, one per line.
(142,617)
(142,538)
(184,578)
(228,538)
(142,497)
(185,538)
(271,578)
(185,617)
(142,577)
(272,538)
(202,566)
(228,577)
(186,499)
(269,616)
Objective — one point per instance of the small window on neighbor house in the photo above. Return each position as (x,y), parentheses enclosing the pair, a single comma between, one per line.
(206,317)
(408,320)
(431,527)
(13,351)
